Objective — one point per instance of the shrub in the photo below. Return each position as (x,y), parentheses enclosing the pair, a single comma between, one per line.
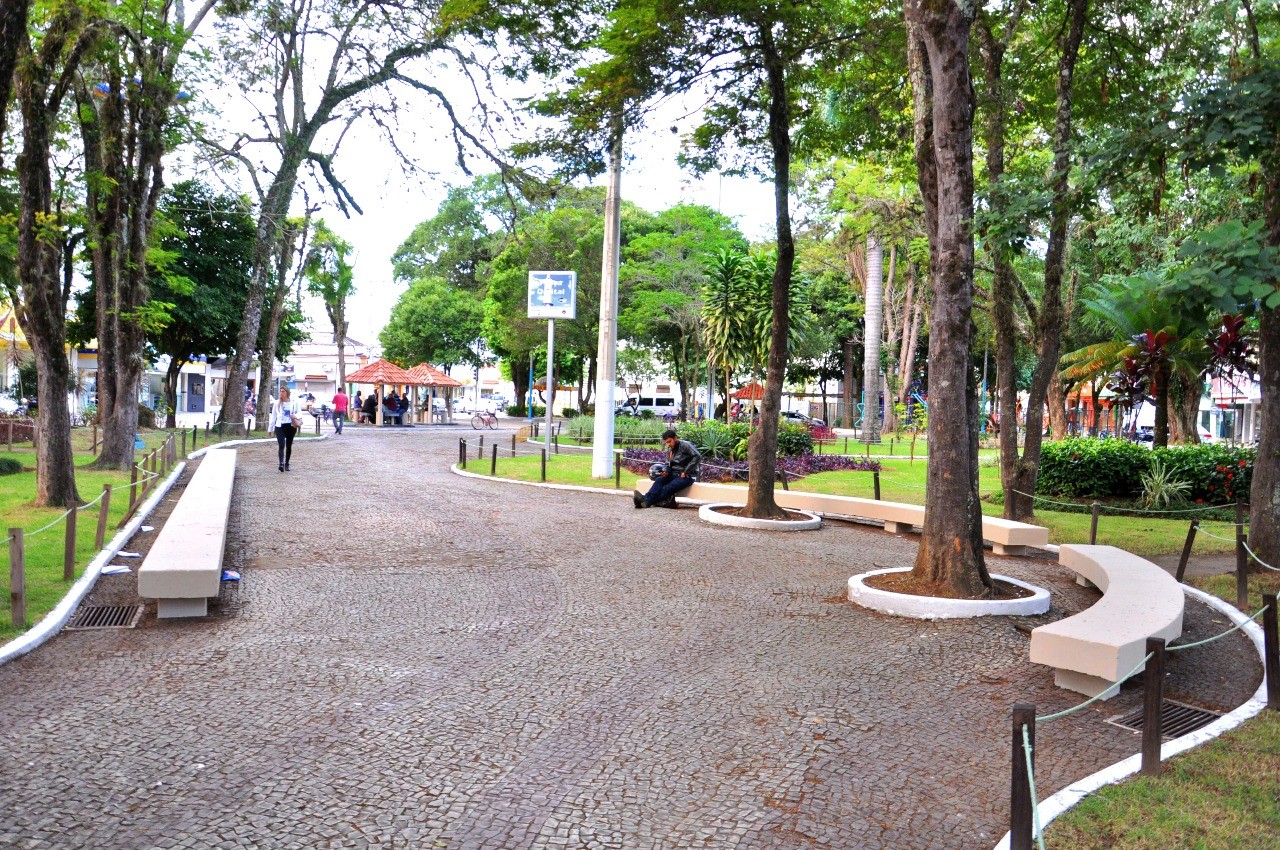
(569,413)
(10,466)
(794,439)
(518,411)
(1093,468)
(1089,467)
(1215,474)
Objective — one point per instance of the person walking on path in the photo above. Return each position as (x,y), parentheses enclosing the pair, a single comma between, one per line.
(284,423)
(340,403)
(681,470)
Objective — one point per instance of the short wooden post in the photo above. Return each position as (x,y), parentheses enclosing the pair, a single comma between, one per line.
(92,448)
(69,546)
(1186,549)
(17,580)
(462,453)
(195,436)
(875,480)
(913,450)
(1152,701)
(782,473)
(10,439)
(493,464)
(818,443)
(555,438)
(846,444)
(206,431)
(184,442)
(544,463)
(133,487)
(1096,509)
(1271,650)
(617,471)
(1242,560)
(1021,819)
(480,449)
(868,449)
(513,445)
(891,446)
(103,506)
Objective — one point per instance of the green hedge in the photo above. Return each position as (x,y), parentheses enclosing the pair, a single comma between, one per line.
(1083,467)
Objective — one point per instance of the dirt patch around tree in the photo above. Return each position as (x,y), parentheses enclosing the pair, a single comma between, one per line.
(910,585)
(741,511)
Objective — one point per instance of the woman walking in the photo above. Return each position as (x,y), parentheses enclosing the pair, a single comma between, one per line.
(284,422)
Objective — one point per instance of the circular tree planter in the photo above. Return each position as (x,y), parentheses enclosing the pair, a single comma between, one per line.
(939,608)
(714,514)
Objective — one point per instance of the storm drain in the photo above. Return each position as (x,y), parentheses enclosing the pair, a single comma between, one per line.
(105,617)
(1176,719)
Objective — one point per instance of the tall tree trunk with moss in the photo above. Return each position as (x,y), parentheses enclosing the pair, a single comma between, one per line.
(950,558)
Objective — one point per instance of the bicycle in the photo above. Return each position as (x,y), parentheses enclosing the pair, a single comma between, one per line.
(481,420)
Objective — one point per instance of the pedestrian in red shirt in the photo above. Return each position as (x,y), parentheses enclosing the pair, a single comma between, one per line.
(340,404)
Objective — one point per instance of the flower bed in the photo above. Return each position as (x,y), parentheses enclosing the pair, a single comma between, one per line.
(717,471)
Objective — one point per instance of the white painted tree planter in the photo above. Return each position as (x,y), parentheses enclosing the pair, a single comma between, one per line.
(936,608)
(708,513)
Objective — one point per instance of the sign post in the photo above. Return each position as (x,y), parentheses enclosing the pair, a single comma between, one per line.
(552,295)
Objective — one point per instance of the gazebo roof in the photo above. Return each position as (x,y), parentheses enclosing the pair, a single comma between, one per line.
(430,376)
(382,372)
(752,391)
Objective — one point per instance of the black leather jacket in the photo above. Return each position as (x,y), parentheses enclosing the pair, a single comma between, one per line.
(684,459)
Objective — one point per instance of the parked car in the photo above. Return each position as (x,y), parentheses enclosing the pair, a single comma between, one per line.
(798,417)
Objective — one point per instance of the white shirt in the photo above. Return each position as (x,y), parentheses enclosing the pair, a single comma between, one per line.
(282,413)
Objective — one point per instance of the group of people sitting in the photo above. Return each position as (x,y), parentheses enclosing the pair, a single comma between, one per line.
(395,408)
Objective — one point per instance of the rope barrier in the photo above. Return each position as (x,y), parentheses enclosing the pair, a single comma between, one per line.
(1254,555)
(59,519)
(1093,699)
(88,505)
(1031,785)
(1234,628)
(1103,507)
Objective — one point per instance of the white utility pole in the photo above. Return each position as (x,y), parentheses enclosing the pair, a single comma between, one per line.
(607,345)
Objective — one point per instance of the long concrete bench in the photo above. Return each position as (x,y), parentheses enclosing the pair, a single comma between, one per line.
(1005,536)
(1092,651)
(184,567)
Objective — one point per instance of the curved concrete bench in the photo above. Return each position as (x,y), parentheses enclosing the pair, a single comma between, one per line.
(1005,536)
(184,567)
(1092,650)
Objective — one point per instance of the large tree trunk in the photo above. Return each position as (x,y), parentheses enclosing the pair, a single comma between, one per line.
(1056,402)
(171,376)
(1184,413)
(950,557)
(763,445)
(847,386)
(873,319)
(13,33)
(1264,493)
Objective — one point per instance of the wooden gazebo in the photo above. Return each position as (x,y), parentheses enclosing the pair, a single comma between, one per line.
(381,374)
(433,378)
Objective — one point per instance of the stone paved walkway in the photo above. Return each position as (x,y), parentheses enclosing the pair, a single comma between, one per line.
(418,660)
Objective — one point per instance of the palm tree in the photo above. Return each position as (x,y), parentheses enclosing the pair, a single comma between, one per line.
(724,317)
(1155,343)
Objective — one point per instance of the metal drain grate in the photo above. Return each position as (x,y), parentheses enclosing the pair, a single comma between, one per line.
(1176,719)
(105,617)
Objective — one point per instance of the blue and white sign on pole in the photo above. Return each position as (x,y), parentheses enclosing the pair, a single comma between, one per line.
(553,295)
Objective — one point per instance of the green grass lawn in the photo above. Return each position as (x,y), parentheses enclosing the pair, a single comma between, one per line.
(43,553)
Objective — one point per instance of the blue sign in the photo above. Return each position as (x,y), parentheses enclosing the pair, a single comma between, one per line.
(553,295)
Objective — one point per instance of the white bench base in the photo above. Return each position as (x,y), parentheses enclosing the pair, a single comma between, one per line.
(169,608)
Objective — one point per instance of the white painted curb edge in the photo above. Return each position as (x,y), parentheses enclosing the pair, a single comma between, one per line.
(1055,805)
(931,608)
(200,452)
(709,513)
(53,622)
(576,488)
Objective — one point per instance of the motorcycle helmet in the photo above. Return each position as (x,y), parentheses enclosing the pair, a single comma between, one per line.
(657,471)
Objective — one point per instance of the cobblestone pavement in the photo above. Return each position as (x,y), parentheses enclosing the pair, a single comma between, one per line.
(418,660)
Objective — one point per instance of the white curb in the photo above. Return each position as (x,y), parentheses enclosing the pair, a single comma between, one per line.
(935,608)
(57,618)
(709,513)
(1060,802)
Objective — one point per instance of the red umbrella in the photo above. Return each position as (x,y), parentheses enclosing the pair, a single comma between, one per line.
(752,392)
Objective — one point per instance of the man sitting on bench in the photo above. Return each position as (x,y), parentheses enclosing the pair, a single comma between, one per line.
(679,472)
